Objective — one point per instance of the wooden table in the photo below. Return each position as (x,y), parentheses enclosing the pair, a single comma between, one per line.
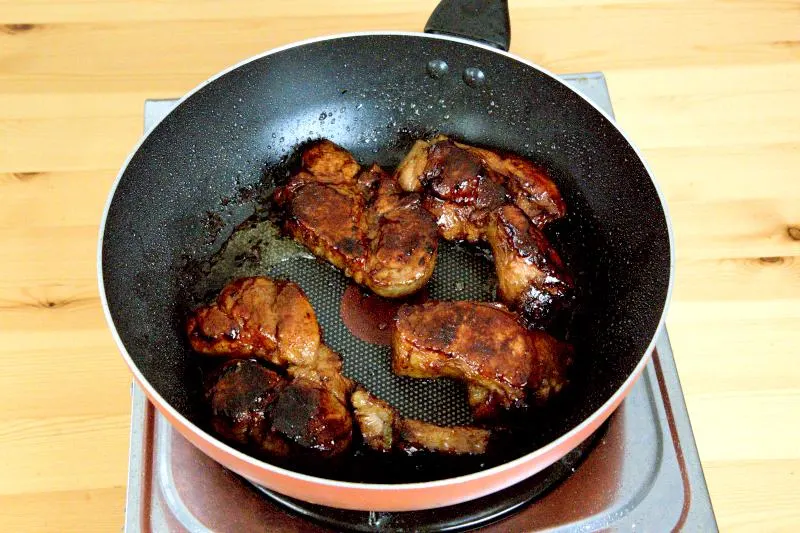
(708,89)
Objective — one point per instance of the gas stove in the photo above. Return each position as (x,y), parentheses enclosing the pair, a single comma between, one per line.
(640,470)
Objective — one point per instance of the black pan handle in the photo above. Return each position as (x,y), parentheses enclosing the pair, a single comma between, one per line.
(485,21)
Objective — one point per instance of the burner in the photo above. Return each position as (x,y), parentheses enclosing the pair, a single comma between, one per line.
(465,516)
(641,469)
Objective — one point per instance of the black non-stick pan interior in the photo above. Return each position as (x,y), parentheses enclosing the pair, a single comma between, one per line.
(210,165)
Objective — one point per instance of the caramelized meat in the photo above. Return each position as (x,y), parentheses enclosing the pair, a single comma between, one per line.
(384,430)
(312,415)
(530,187)
(239,401)
(480,195)
(475,342)
(531,276)
(402,238)
(503,364)
(304,413)
(462,183)
(459,191)
(360,221)
(550,365)
(255,407)
(257,317)
(327,219)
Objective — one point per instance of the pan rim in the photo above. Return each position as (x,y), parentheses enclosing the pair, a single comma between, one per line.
(594,419)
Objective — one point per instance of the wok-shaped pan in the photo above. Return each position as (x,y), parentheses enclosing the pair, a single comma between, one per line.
(207,166)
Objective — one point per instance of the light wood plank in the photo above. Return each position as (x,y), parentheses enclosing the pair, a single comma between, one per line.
(73,510)
(758,413)
(59,453)
(761,495)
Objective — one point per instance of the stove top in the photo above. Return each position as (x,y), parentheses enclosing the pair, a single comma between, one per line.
(640,470)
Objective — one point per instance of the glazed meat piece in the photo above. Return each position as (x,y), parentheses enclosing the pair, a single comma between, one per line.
(326,372)
(504,364)
(461,182)
(305,412)
(550,365)
(255,407)
(550,361)
(402,237)
(459,191)
(475,342)
(360,221)
(312,412)
(384,430)
(530,274)
(480,195)
(257,317)
(238,401)
(530,187)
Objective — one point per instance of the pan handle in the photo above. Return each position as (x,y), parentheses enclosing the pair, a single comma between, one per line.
(485,21)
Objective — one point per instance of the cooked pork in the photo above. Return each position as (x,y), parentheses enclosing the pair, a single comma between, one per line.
(530,274)
(257,317)
(384,430)
(272,415)
(429,165)
(504,365)
(481,195)
(474,342)
(360,221)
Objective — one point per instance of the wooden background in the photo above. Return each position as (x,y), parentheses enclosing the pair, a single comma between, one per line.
(708,89)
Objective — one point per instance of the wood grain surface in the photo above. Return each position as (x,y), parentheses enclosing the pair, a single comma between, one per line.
(709,89)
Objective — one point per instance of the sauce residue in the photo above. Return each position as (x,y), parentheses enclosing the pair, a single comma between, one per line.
(369,316)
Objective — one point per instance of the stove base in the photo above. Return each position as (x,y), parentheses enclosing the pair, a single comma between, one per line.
(465,516)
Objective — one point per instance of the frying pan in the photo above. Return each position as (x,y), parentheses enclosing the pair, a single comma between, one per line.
(165,240)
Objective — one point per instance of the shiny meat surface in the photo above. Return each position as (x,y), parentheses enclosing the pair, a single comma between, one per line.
(550,366)
(531,189)
(550,362)
(361,221)
(530,274)
(402,238)
(477,194)
(257,317)
(311,415)
(504,365)
(462,183)
(384,430)
(474,342)
(272,415)
(306,411)
(327,220)
(239,399)
(459,191)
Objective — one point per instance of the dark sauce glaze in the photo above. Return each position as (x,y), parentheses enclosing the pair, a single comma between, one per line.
(369,316)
